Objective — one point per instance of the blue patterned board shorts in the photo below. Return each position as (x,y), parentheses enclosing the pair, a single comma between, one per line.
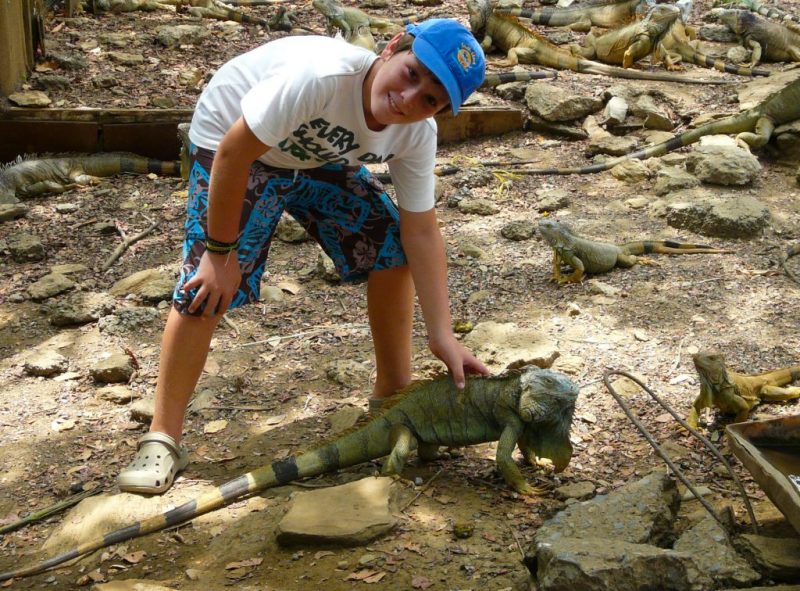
(344,208)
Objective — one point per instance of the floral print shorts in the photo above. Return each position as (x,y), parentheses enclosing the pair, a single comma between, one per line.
(344,208)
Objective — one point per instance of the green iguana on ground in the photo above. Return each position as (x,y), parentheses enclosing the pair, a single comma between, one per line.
(592,256)
(531,408)
(736,393)
(629,44)
(758,7)
(791,250)
(675,46)
(522,45)
(582,18)
(753,128)
(31,177)
(771,41)
(215,9)
(356,25)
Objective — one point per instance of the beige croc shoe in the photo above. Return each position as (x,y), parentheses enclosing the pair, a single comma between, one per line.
(158,460)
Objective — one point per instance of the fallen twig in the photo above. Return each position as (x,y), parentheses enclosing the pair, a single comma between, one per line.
(51,510)
(422,489)
(126,244)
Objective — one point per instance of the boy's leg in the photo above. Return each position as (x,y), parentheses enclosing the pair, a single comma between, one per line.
(390,306)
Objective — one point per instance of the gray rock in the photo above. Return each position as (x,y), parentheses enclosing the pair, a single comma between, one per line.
(654,116)
(172,36)
(142,410)
(289,230)
(723,165)
(575,490)
(46,364)
(738,55)
(52,82)
(631,171)
(130,319)
(518,230)
(347,372)
(554,103)
(30,98)
(718,33)
(714,554)
(508,346)
(777,558)
(786,140)
(537,123)
(670,179)
(326,269)
(552,200)
(615,111)
(125,58)
(511,91)
(478,207)
(348,515)
(152,285)
(119,40)
(113,369)
(730,216)
(272,293)
(25,247)
(69,269)
(79,308)
(471,250)
(105,81)
(12,211)
(49,286)
(612,145)
(117,394)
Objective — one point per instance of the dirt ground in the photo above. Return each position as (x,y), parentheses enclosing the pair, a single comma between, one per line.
(266,369)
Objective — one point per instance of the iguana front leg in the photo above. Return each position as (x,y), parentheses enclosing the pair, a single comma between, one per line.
(760,135)
(702,401)
(403,442)
(573,261)
(755,46)
(636,50)
(505,462)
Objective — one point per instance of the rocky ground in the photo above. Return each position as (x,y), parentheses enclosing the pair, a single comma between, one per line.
(292,370)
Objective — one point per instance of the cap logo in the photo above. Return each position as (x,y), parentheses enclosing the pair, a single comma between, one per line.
(466,56)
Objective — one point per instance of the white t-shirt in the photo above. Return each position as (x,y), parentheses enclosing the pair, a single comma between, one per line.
(302,97)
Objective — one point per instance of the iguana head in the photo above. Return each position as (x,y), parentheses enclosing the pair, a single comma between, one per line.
(710,366)
(546,405)
(661,16)
(554,232)
(734,19)
(479,12)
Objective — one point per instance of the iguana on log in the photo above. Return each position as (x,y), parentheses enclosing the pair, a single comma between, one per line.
(762,9)
(791,250)
(30,177)
(582,18)
(531,408)
(587,256)
(215,9)
(675,46)
(753,128)
(628,44)
(774,42)
(736,393)
(522,45)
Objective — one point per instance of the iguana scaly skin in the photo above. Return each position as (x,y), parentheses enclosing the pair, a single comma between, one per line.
(215,9)
(736,393)
(531,408)
(762,9)
(769,41)
(791,250)
(592,256)
(675,46)
(753,128)
(31,177)
(629,44)
(522,45)
(582,18)
(497,78)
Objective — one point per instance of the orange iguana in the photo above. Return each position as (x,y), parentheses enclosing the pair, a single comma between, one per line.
(737,393)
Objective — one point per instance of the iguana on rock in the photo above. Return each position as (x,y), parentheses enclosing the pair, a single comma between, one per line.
(522,45)
(592,256)
(215,9)
(629,44)
(736,393)
(753,127)
(762,9)
(30,177)
(675,46)
(771,41)
(791,250)
(531,408)
(582,18)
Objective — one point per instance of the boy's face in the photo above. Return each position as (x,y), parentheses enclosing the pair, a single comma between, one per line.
(404,91)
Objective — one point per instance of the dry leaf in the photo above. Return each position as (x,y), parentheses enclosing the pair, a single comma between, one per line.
(665,418)
(134,557)
(274,420)
(322,554)
(215,426)
(375,578)
(290,287)
(244,563)
(361,575)
(62,425)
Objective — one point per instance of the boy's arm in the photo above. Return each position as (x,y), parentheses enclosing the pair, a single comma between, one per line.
(424,247)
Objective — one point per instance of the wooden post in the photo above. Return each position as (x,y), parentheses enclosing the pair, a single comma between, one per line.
(21,31)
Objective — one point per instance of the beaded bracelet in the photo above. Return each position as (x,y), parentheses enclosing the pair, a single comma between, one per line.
(218,247)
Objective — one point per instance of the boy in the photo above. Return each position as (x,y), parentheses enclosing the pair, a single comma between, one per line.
(289,126)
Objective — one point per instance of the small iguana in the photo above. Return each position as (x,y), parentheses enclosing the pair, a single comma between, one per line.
(582,18)
(791,250)
(762,9)
(31,177)
(592,256)
(629,44)
(522,45)
(770,41)
(753,127)
(675,46)
(531,408)
(736,393)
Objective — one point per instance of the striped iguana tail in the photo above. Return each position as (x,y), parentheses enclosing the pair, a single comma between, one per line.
(497,78)
(704,60)
(669,247)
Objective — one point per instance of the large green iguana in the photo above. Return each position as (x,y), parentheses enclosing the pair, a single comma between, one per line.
(753,128)
(762,9)
(736,393)
(592,256)
(522,45)
(675,46)
(30,177)
(771,41)
(356,25)
(215,9)
(791,250)
(628,44)
(531,408)
(582,18)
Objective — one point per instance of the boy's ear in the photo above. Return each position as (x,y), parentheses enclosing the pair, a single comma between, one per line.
(388,51)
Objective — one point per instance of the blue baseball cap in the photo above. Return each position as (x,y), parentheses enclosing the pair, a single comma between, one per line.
(452,54)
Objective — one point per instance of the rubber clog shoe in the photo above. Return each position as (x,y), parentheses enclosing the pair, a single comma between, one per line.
(158,460)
